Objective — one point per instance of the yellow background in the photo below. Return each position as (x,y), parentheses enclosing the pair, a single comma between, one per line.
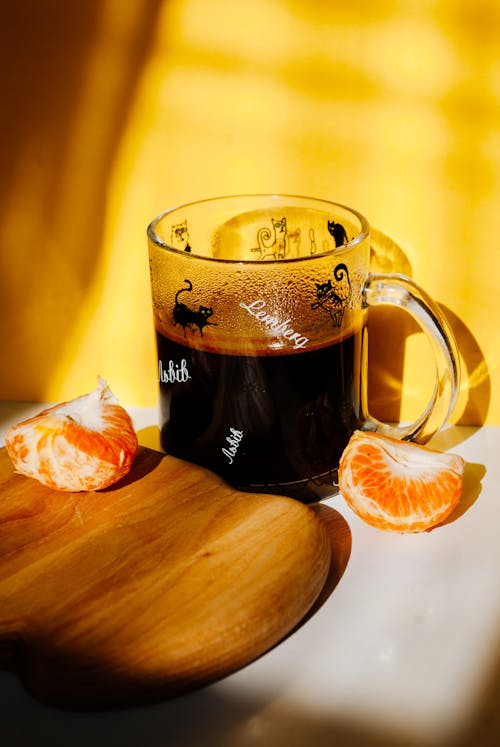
(114,110)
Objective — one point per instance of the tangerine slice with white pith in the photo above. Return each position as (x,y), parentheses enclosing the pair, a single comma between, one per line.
(87,443)
(398,485)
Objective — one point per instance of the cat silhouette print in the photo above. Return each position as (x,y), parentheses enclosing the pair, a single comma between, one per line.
(191,318)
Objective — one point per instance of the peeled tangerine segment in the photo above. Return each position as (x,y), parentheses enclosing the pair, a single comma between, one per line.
(85,444)
(397,485)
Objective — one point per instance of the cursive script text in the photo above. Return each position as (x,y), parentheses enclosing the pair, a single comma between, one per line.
(257,310)
(233,441)
(174,372)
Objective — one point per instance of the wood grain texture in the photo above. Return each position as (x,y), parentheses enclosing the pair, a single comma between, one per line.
(162,583)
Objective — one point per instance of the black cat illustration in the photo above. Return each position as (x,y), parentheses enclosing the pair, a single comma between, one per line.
(180,236)
(189,318)
(338,232)
(334,297)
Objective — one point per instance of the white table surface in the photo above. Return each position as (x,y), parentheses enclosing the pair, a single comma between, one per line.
(405,650)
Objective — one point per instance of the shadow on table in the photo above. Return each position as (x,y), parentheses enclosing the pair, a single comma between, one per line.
(214,718)
(232,713)
(237,712)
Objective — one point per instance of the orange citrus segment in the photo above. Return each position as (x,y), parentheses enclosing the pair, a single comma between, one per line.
(85,444)
(397,485)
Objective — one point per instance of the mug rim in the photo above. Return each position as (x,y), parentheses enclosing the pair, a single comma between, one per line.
(363,233)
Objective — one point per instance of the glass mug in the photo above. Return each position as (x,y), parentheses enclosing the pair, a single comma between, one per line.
(260,306)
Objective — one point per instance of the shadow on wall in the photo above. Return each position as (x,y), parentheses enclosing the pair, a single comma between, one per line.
(67,86)
(387,351)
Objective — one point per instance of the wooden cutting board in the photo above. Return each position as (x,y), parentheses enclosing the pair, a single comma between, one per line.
(164,582)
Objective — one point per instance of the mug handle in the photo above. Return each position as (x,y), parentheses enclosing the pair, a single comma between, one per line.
(399,290)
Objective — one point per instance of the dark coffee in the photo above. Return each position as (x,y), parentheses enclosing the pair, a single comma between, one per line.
(262,420)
